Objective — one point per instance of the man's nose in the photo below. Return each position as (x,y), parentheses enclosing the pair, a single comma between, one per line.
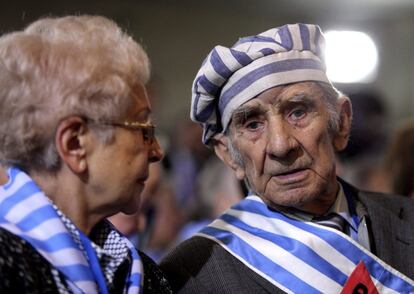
(281,143)
(155,153)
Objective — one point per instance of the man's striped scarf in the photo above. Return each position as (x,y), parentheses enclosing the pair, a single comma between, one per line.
(26,212)
(298,256)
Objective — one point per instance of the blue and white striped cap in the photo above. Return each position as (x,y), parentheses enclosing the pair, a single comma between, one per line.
(232,76)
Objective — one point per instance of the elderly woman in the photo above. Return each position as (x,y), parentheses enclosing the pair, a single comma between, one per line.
(76,141)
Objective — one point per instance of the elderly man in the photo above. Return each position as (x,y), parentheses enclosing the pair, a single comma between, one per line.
(271,114)
(76,141)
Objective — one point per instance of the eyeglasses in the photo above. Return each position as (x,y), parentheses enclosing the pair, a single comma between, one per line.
(148,129)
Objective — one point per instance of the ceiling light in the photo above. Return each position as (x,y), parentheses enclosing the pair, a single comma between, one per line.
(351,57)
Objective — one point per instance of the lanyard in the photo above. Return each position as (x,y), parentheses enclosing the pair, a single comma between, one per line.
(351,207)
(94,263)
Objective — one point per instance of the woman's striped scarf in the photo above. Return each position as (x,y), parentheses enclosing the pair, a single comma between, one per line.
(298,256)
(26,212)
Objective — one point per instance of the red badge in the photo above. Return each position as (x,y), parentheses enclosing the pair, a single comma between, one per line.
(359,282)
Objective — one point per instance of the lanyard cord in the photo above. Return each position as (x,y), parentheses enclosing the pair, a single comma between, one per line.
(351,207)
(94,263)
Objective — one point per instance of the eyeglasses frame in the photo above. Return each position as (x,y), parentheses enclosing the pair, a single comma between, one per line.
(147,128)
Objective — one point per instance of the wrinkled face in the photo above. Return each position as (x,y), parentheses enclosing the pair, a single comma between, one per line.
(120,168)
(286,147)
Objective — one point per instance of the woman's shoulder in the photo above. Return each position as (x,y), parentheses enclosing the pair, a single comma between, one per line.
(12,247)
(19,259)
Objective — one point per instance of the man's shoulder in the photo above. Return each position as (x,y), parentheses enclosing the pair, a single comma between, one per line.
(402,206)
(195,244)
(202,265)
(386,202)
(191,256)
(154,279)
(391,219)
(388,198)
(195,253)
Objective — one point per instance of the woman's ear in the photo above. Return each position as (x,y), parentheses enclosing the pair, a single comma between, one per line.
(221,147)
(69,141)
(340,138)
(3,175)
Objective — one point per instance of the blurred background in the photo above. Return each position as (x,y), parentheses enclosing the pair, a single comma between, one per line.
(178,34)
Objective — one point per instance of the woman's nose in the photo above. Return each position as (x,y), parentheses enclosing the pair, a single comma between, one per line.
(155,153)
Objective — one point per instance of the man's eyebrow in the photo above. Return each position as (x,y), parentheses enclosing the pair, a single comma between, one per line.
(302,98)
(242,113)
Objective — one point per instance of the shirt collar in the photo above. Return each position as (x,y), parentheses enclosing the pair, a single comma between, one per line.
(340,207)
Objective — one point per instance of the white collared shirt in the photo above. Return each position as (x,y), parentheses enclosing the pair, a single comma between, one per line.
(358,232)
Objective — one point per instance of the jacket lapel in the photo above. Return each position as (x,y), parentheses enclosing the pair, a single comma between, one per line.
(392,235)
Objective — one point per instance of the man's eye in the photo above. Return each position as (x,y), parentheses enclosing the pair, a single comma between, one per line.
(253,125)
(298,113)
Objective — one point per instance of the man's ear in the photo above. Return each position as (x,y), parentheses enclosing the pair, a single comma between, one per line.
(221,147)
(340,139)
(69,141)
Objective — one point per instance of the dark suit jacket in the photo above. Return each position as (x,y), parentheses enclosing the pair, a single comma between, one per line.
(200,265)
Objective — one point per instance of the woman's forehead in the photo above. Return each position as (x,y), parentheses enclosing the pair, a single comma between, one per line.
(140,107)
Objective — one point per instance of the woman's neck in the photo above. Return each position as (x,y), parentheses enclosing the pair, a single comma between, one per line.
(68,193)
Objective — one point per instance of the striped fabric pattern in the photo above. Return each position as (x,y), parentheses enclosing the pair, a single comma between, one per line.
(230,77)
(332,220)
(297,256)
(26,212)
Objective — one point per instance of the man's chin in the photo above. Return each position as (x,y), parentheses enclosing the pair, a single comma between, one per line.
(298,198)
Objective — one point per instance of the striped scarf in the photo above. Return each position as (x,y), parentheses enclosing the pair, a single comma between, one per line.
(28,213)
(298,256)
